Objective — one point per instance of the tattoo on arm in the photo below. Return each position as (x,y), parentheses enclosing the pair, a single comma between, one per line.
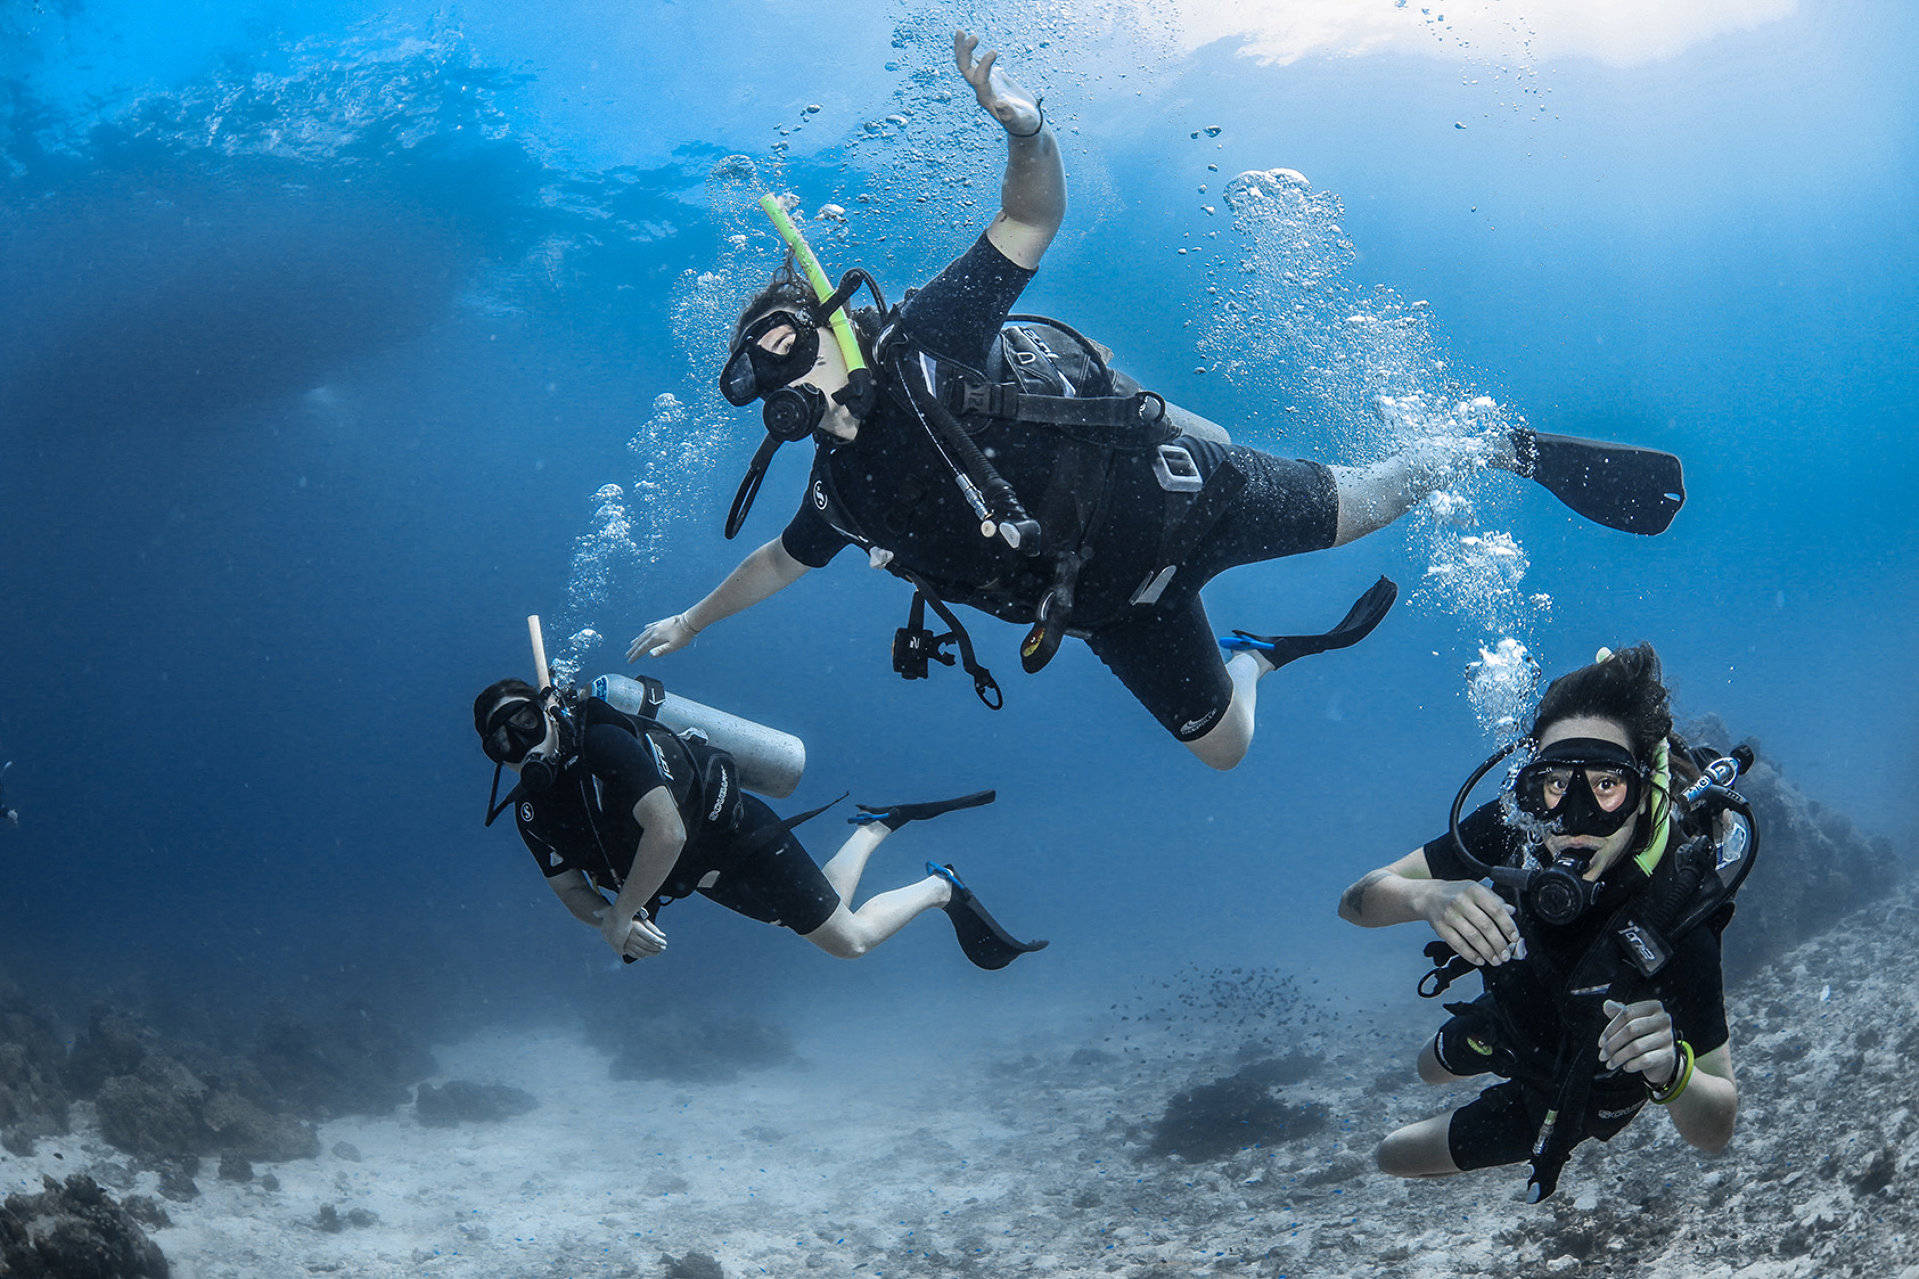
(1356,895)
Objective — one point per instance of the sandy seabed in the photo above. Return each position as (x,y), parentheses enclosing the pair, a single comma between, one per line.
(1034,1158)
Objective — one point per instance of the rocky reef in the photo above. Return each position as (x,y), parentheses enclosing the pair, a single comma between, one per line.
(1227,1115)
(460,1101)
(171,1102)
(1814,865)
(33,1091)
(74,1231)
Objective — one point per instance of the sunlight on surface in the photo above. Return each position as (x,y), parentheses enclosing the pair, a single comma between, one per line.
(1623,33)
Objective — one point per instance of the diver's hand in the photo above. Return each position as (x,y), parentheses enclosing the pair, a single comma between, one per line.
(1471,918)
(635,938)
(668,635)
(1017,110)
(1639,1037)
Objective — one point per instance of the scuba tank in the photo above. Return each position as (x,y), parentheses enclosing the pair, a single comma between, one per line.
(770,762)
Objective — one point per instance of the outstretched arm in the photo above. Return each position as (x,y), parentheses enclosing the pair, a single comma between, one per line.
(1033,193)
(764,573)
(1465,914)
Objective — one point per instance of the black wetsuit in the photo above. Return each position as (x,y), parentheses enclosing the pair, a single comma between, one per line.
(752,864)
(1520,1014)
(889,488)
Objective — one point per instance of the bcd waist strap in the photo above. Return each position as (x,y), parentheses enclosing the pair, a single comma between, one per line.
(1117,421)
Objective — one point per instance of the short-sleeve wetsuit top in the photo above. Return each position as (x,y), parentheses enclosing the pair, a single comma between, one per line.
(585,822)
(892,484)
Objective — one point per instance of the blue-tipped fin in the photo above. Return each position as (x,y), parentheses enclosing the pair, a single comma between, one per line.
(897,815)
(1622,486)
(1366,613)
(981,937)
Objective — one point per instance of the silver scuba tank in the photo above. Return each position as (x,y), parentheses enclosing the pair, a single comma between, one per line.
(770,762)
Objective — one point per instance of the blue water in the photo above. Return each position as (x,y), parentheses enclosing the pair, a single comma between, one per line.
(324,323)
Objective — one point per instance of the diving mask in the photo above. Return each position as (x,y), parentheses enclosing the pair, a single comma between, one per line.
(512,730)
(1582,785)
(757,367)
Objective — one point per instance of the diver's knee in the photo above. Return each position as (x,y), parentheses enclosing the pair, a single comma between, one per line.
(1423,1149)
(1220,751)
(838,941)
(1431,1071)
(1398,1155)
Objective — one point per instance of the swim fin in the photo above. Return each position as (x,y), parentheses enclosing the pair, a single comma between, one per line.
(1622,486)
(985,942)
(898,815)
(1358,623)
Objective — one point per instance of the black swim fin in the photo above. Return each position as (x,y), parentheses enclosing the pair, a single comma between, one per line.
(897,815)
(981,936)
(1365,614)
(1622,486)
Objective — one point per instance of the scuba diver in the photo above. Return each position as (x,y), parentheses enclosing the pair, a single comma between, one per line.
(616,802)
(1613,853)
(12,815)
(936,425)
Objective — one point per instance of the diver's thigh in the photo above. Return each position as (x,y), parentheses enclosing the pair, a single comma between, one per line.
(1497,1127)
(1169,660)
(1289,506)
(779,883)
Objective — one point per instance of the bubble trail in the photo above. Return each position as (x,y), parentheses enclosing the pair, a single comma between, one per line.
(1294,329)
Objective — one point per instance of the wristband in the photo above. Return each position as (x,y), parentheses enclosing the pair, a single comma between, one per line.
(1680,1078)
(1040,107)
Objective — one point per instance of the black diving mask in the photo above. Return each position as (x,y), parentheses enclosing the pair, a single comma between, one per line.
(753,371)
(513,733)
(1582,785)
(512,730)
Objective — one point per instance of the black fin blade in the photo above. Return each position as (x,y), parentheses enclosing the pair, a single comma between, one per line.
(982,937)
(895,816)
(1360,620)
(1622,486)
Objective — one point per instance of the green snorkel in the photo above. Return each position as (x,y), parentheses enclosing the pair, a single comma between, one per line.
(795,410)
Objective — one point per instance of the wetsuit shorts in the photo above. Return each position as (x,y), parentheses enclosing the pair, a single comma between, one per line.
(764,873)
(1500,1126)
(1168,657)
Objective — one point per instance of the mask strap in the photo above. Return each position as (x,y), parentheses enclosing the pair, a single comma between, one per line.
(493,810)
